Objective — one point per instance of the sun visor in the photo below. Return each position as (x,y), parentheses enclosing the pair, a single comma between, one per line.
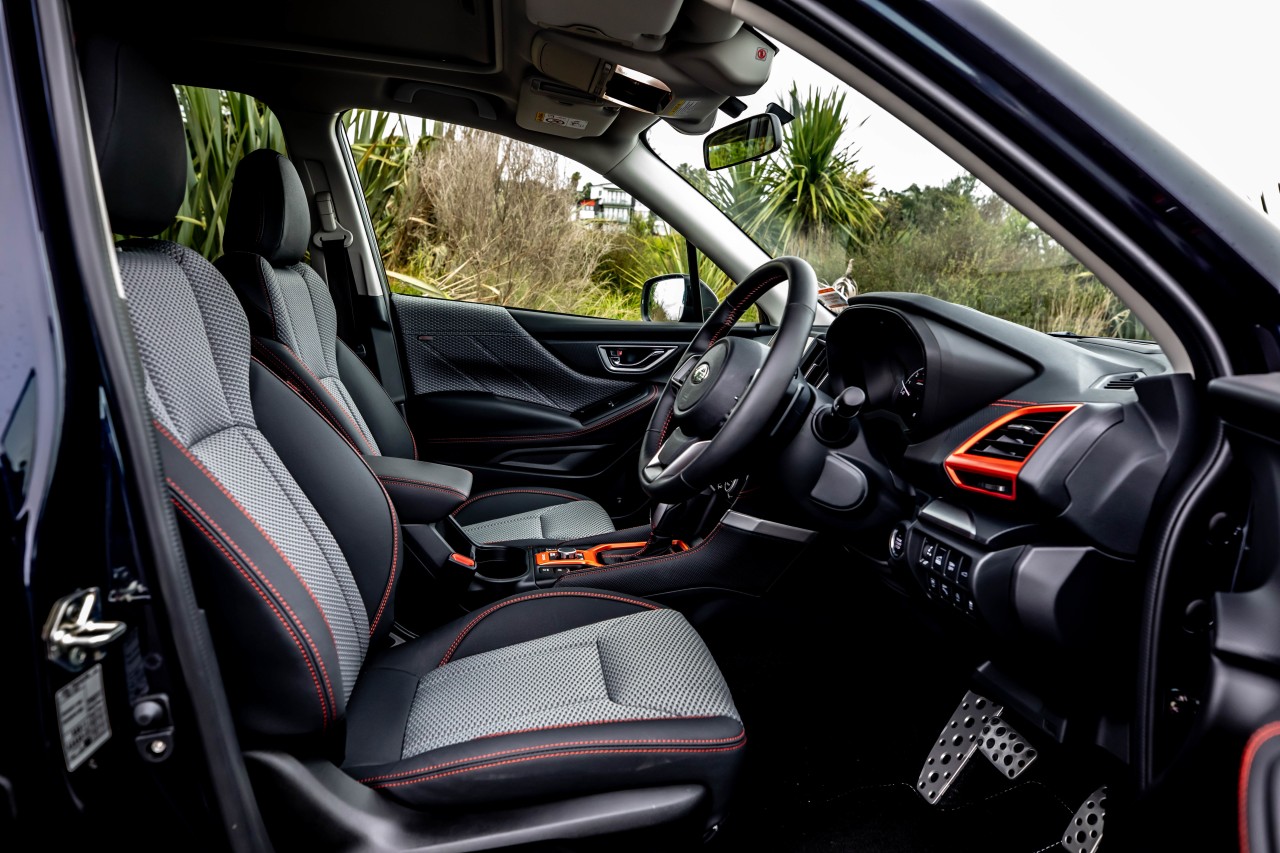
(640,24)
(550,107)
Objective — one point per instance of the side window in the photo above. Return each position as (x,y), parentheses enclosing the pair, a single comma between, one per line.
(221,128)
(465,214)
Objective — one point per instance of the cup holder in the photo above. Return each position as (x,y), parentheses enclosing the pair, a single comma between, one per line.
(500,563)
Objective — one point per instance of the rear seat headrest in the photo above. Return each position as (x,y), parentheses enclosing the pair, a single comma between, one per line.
(268,214)
(137,137)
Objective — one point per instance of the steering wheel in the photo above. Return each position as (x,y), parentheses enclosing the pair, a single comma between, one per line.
(725,390)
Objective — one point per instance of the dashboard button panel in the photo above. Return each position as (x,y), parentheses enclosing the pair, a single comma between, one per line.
(947,575)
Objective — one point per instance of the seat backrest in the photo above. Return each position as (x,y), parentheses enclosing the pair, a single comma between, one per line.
(290,311)
(294,558)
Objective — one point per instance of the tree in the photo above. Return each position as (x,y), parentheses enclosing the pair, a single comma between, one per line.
(813,186)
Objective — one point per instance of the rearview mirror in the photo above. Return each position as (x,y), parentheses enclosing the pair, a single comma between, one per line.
(742,141)
(669,299)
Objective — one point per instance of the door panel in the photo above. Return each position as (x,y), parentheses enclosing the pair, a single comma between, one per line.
(526,398)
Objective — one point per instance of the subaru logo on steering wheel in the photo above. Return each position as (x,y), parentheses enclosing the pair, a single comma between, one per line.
(700,373)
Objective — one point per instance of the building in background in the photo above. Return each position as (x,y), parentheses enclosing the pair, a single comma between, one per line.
(614,207)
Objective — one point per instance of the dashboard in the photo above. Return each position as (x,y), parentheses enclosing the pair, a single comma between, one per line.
(1010,476)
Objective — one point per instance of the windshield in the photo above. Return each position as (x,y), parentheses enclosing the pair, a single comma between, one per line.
(873,206)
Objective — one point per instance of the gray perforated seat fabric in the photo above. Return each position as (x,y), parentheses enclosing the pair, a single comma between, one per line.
(490,698)
(295,327)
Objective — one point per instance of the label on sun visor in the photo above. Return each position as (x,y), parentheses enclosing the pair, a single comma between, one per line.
(82,717)
(681,107)
(563,121)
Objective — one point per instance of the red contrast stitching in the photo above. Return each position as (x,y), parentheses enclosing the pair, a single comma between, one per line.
(332,416)
(647,561)
(746,300)
(570,754)
(1255,743)
(1018,402)
(648,398)
(594,723)
(418,484)
(381,388)
(303,397)
(518,750)
(501,604)
(469,502)
(324,709)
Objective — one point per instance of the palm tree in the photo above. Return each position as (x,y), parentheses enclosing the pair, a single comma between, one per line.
(813,185)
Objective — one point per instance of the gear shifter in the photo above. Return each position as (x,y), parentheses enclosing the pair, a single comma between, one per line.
(664,527)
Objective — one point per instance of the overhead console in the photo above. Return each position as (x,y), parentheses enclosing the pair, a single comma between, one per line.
(674,59)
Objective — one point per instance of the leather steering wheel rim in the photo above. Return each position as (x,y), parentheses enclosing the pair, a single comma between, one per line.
(674,465)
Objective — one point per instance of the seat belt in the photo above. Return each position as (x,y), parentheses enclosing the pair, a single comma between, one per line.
(333,241)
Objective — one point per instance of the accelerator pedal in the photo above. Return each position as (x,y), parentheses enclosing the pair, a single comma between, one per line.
(955,745)
(1005,748)
(1084,833)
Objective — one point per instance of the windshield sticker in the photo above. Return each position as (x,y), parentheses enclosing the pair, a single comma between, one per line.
(82,717)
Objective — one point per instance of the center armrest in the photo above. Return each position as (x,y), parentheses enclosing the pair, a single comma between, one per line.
(423,492)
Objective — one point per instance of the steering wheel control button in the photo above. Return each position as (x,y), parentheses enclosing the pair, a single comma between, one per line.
(955,745)
(1006,749)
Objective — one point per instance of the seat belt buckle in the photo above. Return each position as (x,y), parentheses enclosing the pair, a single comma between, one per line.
(330,227)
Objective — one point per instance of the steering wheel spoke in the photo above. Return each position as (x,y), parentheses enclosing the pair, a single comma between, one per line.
(677,453)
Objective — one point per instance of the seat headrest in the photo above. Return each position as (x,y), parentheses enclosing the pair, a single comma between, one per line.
(137,137)
(268,214)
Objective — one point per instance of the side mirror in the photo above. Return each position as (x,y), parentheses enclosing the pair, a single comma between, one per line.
(669,299)
(742,141)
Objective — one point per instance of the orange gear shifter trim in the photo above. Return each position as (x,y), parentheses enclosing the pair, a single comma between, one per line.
(998,472)
(591,557)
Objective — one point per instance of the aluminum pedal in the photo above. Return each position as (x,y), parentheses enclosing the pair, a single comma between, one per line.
(1084,833)
(1006,749)
(955,745)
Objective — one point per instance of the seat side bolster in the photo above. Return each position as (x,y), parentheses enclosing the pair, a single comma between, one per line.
(389,429)
(260,609)
(343,489)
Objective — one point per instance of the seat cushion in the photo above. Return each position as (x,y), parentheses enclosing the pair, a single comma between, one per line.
(545,695)
(531,517)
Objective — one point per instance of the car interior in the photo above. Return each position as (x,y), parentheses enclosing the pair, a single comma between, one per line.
(482,576)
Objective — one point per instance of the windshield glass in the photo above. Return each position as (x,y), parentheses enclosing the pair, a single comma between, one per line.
(873,206)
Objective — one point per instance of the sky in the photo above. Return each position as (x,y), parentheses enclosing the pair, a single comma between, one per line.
(1203,76)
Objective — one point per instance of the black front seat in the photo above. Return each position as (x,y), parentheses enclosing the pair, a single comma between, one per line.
(295,551)
(295,329)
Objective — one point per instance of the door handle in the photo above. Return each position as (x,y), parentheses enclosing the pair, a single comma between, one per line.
(631,358)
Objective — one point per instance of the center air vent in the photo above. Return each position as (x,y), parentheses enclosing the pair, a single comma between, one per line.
(1122,381)
(990,461)
(1016,439)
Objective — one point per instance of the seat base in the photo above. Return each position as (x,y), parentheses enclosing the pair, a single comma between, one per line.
(314,805)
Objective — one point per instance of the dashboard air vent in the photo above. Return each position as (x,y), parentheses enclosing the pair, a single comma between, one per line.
(1122,381)
(815,369)
(990,461)
(1016,439)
